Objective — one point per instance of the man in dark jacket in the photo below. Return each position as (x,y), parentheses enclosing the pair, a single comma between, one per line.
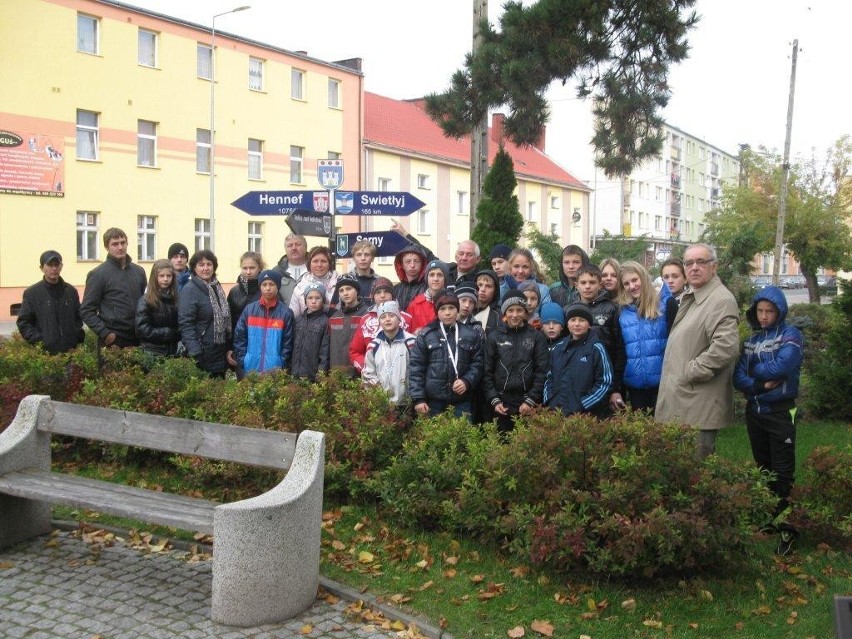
(112,291)
(564,292)
(50,309)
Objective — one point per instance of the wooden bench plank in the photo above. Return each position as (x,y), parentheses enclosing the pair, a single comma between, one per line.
(226,442)
(151,506)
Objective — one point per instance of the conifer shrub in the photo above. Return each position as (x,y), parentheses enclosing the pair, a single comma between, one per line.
(828,379)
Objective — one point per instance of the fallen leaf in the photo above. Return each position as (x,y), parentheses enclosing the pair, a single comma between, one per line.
(516,632)
(706,595)
(739,625)
(452,561)
(449,573)
(794,616)
(544,628)
(423,564)
(426,586)
(761,610)
(306,629)
(591,604)
(652,623)
(477,579)
(366,557)
(693,625)
(5,565)
(520,571)
(628,604)
(338,545)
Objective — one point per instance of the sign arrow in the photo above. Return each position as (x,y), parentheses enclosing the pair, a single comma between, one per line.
(302,223)
(387,243)
(276,202)
(397,203)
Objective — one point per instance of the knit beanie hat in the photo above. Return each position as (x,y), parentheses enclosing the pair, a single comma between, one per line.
(347,280)
(500,250)
(381,283)
(551,312)
(466,289)
(530,285)
(578,309)
(390,306)
(445,297)
(269,274)
(313,286)
(442,266)
(178,249)
(513,297)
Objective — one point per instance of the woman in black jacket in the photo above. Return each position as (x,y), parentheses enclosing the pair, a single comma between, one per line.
(246,290)
(156,312)
(203,315)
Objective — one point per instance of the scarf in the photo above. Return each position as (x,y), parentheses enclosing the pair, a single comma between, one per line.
(221,312)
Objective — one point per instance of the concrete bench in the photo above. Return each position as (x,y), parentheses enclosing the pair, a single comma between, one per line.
(266,549)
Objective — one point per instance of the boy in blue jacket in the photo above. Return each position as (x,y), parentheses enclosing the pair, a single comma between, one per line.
(263,337)
(580,370)
(768,374)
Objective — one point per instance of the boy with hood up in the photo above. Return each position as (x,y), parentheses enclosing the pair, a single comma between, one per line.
(410,266)
(768,374)
(564,292)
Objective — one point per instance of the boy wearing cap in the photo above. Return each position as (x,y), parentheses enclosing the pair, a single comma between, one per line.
(580,377)
(383,291)
(498,257)
(552,323)
(179,257)
(386,362)
(50,309)
(263,337)
(516,360)
(344,322)
(311,352)
(467,294)
(446,362)
(422,307)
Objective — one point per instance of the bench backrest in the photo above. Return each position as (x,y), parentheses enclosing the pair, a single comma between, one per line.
(226,442)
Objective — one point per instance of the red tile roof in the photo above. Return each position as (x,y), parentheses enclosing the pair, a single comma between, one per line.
(405,126)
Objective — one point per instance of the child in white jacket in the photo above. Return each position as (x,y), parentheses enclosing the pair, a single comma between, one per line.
(386,361)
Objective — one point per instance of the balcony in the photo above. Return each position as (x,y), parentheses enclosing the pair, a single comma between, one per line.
(715,193)
(676,153)
(676,180)
(714,168)
(675,209)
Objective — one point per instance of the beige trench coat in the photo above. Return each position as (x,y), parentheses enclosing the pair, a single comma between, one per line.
(697,382)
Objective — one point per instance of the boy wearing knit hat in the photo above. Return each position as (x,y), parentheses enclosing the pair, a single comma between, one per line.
(498,257)
(516,359)
(263,336)
(344,322)
(446,361)
(178,255)
(386,362)
(422,307)
(580,370)
(467,294)
(311,348)
(552,322)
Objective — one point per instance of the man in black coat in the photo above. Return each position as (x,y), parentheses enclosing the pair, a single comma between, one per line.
(50,309)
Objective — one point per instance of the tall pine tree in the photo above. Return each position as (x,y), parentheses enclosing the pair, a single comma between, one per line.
(498,217)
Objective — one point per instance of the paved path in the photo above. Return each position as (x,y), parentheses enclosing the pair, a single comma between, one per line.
(62,587)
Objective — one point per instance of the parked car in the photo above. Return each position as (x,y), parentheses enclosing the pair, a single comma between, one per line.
(761,280)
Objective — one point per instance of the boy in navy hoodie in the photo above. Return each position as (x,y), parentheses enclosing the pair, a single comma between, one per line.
(768,374)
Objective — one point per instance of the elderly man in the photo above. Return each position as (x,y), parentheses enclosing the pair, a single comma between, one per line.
(702,350)
(292,265)
(466,266)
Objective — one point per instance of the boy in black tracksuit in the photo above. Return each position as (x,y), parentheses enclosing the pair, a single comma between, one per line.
(311,351)
(604,310)
(516,362)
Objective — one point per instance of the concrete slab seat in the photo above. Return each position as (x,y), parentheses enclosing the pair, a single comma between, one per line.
(266,549)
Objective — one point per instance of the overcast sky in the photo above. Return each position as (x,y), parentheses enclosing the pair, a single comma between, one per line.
(732,89)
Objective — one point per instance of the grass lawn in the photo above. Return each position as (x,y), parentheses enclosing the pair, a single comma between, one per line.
(475,592)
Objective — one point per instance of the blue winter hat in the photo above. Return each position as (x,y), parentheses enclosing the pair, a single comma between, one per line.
(551,312)
(442,266)
(269,274)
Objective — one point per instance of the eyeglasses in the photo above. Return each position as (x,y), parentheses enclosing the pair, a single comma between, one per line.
(698,263)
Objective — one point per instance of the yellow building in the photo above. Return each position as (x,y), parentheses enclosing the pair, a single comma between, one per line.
(105,121)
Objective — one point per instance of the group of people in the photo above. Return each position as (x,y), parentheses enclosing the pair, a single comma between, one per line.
(492,344)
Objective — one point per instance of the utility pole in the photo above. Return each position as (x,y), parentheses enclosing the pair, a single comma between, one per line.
(785,174)
(479,135)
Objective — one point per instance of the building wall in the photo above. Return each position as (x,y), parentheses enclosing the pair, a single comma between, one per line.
(45,80)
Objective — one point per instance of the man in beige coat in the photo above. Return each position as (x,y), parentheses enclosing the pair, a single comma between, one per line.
(696,386)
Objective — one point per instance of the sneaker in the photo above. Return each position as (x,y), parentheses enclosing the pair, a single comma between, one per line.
(787,543)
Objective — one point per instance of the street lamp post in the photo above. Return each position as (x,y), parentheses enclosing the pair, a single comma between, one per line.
(213,122)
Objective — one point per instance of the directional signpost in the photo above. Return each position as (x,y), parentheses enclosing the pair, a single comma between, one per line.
(396,203)
(309,224)
(276,202)
(387,243)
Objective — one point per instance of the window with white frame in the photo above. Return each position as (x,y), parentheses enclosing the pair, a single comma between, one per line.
(333,155)
(87,135)
(462,203)
(146,238)
(146,143)
(255,74)
(202,150)
(658,194)
(297,160)
(88,33)
(422,181)
(87,235)
(554,229)
(202,233)
(532,211)
(255,237)
(297,84)
(643,220)
(383,184)
(554,201)
(423,222)
(204,61)
(658,222)
(147,48)
(255,159)
(334,93)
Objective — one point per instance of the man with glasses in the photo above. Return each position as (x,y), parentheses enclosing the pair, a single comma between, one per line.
(703,347)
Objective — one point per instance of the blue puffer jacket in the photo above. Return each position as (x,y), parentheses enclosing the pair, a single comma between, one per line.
(263,337)
(773,353)
(645,343)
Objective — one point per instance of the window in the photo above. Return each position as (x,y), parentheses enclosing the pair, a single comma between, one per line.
(146,238)
(334,93)
(255,237)
(462,202)
(296,162)
(255,74)
(202,233)
(147,48)
(87,135)
(554,201)
(202,150)
(87,34)
(643,220)
(531,212)
(255,159)
(658,194)
(422,181)
(146,143)
(204,61)
(658,222)
(384,184)
(423,222)
(297,84)
(87,235)
(641,189)
(333,155)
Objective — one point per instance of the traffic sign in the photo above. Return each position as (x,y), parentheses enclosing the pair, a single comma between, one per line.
(330,173)
(302,223)
(387,243)
(397,203)
(279,202)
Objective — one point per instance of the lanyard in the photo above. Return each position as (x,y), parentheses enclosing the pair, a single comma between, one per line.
(454,358)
